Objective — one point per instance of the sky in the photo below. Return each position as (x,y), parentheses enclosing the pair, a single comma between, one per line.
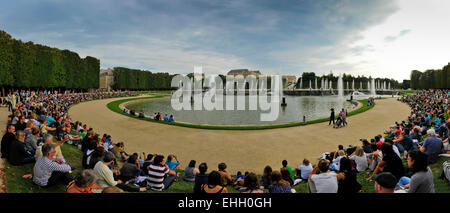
(383,38)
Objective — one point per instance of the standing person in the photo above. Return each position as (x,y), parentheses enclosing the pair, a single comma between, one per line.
(343,115)
(10,108)
(331,117)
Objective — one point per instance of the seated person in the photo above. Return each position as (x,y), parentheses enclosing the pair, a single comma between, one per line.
(304,170)
(284,163)
(171,118)
(190,172)
(279,185)
(266,178)
(48,170)
(147,162)
(432,146)
(166,118)
(83,183)
(385,182)
(161,177)
(214,184)
(130,169)
(201,178)
(119,151)
(49,139)
(73,139)
(422,180)
(325,181)
(251,184)
(174,166)
(225,176)
(106,176)
(32,140)
(17,154)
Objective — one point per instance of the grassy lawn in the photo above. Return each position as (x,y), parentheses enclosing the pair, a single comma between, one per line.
(114,106)
(16,184)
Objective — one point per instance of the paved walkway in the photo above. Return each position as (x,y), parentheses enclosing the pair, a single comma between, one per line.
(240,150)
(3,116)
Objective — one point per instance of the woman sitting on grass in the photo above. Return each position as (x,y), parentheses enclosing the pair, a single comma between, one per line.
(278,184)
(251,184)
(225,176)
(214,184)
(83,183)
(391,162)
(422,179)
(190,172)
(347,182)
(359,156)
(286,176)
(266,178)
(130,169)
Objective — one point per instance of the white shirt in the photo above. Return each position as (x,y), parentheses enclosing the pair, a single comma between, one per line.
(325,182)
(305,171)
(361,162)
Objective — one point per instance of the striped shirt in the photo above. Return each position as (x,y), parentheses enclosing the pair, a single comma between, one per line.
(43,170)
(156,175)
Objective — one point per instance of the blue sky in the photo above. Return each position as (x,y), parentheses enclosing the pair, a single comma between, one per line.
(287,37)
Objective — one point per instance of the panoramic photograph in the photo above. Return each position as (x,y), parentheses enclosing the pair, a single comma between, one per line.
(171,100)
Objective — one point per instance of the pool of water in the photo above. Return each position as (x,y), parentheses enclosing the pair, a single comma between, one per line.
(313,107)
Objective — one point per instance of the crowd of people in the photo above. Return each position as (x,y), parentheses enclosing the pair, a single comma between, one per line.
(157,116)
(39,125)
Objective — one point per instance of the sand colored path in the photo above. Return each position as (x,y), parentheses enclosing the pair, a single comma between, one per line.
(3,120)
(240,150)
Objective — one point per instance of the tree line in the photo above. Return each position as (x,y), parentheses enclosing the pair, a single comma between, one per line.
(431,79)
(133,79)
(28,65)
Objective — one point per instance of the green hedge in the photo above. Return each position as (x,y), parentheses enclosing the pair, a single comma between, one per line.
(29,65)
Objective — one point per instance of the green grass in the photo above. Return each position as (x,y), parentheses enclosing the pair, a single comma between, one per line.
(408,92)
(114,106)
(16,184)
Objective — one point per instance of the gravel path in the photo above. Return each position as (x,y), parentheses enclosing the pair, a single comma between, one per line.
(240,150)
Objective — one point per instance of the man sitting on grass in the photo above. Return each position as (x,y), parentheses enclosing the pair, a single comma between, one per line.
(49,171)
(160,176)
(106,176)
(325,181)
(17,154)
